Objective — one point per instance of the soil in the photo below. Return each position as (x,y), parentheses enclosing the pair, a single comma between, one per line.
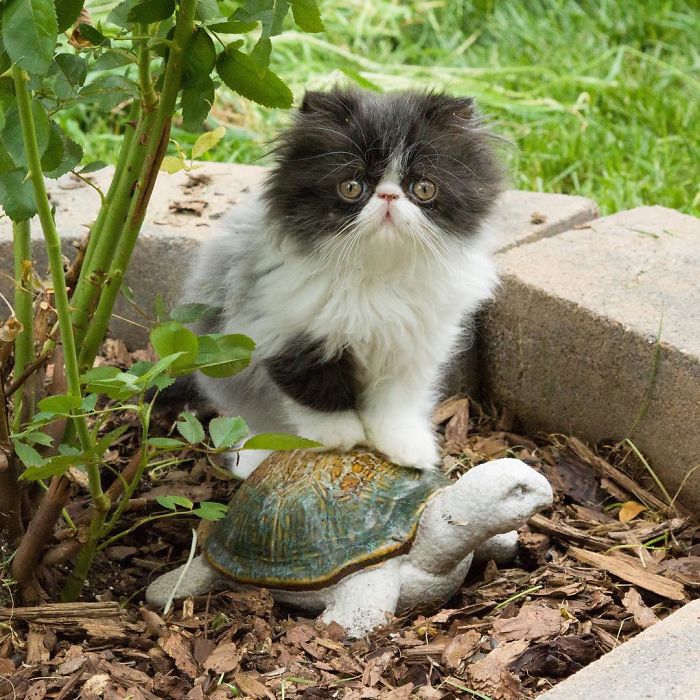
(609,559)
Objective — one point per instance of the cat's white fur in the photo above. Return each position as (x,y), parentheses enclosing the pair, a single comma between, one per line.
(393,291)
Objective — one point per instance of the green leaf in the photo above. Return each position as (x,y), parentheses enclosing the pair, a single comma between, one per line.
(92,167)
(165,443)
(119,15)
(67,12)
(233,26)
(190,428)
(29,31)
(99,373)
(171,502)
(39,438)
(207,141)
(151,11)
(261,53)
(73,69)
(113,59)
(28,455)
(93,35)
(307,16)
(60,403)
(196,104)
(89,403)
(224,355)
(200,57)
(108,91)
(12,133)
(210,510)
(242,74)
(279,441)
(207,10)
(188,313)
(72,155)
(269,13)
(172,337)
(226,431)
(17,195)
(172,164)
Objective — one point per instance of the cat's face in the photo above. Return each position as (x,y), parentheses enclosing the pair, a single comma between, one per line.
(390,169)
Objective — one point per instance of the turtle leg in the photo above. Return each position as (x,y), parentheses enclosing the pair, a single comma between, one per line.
(359,603)
(501,548)
(200,578)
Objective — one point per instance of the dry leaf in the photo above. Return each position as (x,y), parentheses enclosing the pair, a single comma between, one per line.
(532,622)
(643,615)
(223,659)
(178,649)
(250,685)
(630,510)
(37,691)
(460,647)
(491,674)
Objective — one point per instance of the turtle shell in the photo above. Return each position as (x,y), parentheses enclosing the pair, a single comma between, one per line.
(304,519)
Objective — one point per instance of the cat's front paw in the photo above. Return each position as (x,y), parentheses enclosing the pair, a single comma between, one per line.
(342,430)
(406,445)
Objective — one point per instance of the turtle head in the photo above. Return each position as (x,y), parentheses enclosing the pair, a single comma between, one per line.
(490,499)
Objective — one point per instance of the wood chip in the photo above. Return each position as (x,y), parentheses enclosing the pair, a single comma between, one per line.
(460,647)
(532,622)
(624,569)
(251,686)
(643,615)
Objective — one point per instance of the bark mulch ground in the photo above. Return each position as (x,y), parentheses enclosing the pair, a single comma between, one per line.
(608,560)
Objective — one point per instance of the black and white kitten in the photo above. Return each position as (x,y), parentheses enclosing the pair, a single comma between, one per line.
(353,270)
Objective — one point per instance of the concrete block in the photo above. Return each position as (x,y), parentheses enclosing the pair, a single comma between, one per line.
(570,343)
(186,208)
(661,662)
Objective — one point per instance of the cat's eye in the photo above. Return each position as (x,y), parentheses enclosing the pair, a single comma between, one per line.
(424,190)
(350,190)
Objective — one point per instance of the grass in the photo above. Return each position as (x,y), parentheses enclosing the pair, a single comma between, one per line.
(598,98)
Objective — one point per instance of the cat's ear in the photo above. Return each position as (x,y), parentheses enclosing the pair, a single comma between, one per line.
(445,107)
(329,104)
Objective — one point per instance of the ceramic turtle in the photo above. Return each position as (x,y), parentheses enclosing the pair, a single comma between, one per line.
(354,537)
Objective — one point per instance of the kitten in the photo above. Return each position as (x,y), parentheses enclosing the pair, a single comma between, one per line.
(353,270)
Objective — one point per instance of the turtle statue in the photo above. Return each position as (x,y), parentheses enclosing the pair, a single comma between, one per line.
(353,536)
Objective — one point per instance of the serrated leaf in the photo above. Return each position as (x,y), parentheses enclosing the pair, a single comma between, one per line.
(72,68)
(89,403)
(53,155)
(28,455)
(188,313)
(60,403)
(207,141)
(242,74)
(200,57)
(279,441)
(108,91)
(207,10)
(92,35)
(38,438)
(196,104)
(12,133)
(29,31)
(233,26)
(71,155)
(112,59)
(151,11)
(165,443)
(172,165)
(120,14)
(92,167)
(224,355)
(210,510)
(226,431)
(67,12)
(190,428)
(171,502)
(170,338)
(261,53)
(307,16)
(269,13)
(17,195)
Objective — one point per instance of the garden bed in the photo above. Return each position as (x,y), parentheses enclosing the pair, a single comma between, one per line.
(609,559)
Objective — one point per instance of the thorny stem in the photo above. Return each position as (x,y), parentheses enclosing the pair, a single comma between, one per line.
(24,342)
(53,249)
(149,150)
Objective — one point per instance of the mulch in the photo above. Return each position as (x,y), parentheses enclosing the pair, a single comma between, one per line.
(609,559)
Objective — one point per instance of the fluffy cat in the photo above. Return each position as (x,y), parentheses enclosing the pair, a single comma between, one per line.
(353,270)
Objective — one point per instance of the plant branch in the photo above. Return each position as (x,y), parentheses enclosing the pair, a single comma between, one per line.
(24,342)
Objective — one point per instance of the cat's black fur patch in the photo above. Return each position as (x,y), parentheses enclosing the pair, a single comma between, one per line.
(353,133)
(305,376)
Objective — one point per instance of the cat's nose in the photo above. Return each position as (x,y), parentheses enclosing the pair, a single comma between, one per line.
(388,192)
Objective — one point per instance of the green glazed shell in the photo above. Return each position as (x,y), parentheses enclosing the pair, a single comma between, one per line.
(304,519)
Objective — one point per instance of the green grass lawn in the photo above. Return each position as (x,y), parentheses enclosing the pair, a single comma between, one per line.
(596,98)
